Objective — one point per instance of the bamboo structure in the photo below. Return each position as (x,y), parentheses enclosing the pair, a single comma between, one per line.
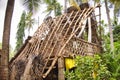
(70,34)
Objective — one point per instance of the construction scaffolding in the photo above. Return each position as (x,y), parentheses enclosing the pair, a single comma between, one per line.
(70,34)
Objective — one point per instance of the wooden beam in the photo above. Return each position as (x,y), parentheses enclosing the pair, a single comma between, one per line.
(89,30)
(90,50)
(86,14)
(61,69)
(83,28)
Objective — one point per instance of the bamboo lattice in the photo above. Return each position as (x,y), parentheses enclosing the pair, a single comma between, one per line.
(56,37)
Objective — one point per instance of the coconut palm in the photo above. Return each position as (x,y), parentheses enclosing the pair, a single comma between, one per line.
(109,23)
(5,41)
(29,21)
(20,32)
(110,26)
(53,5)
(26,21)
(32,6)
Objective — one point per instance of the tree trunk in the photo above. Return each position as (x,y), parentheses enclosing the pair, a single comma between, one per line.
(110,27)
(5,43)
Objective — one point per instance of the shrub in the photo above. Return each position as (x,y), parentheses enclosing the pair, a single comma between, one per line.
(88,68)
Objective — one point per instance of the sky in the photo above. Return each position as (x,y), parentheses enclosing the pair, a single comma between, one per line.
(18,9)
(2,12)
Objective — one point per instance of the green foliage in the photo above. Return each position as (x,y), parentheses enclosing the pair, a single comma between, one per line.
(32,5)
(117,47)
(113,59)
(101,29)
(29,21)
(116,36)
(116,33)
(113,64)
(53,5)
(26,22)
(88,68)
(20,32)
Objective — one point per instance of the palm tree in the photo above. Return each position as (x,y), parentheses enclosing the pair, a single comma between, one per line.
(5,42)
(32,6)
(26,21)
(109,23)
(53,5)
(110,27)
(20,32)
(29,21)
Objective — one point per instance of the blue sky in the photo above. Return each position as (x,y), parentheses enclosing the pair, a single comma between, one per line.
(18,9)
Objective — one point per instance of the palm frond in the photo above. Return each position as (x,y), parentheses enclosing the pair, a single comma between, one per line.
(32,5)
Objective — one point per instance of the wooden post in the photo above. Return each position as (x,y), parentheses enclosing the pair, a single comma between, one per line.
(89,36)
(61,68)
(89,30)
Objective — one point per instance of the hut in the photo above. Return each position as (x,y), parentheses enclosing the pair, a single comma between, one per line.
(42,56)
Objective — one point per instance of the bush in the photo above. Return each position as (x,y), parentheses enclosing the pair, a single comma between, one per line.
(88,68)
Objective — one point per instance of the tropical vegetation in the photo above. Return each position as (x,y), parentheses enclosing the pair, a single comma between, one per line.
(88,68)
(105,66)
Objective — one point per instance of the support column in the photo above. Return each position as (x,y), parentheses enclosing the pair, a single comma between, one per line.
(61,75)
(90,50)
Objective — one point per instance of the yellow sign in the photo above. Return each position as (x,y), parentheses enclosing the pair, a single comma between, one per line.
(69,63)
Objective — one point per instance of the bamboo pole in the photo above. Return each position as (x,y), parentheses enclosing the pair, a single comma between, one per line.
(89,30)
(83,28)
(59,54)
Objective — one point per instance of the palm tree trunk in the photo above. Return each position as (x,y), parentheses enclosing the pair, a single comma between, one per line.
(110,27)
(5,43)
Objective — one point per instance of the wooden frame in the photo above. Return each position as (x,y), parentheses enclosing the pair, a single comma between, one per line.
(53,41)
